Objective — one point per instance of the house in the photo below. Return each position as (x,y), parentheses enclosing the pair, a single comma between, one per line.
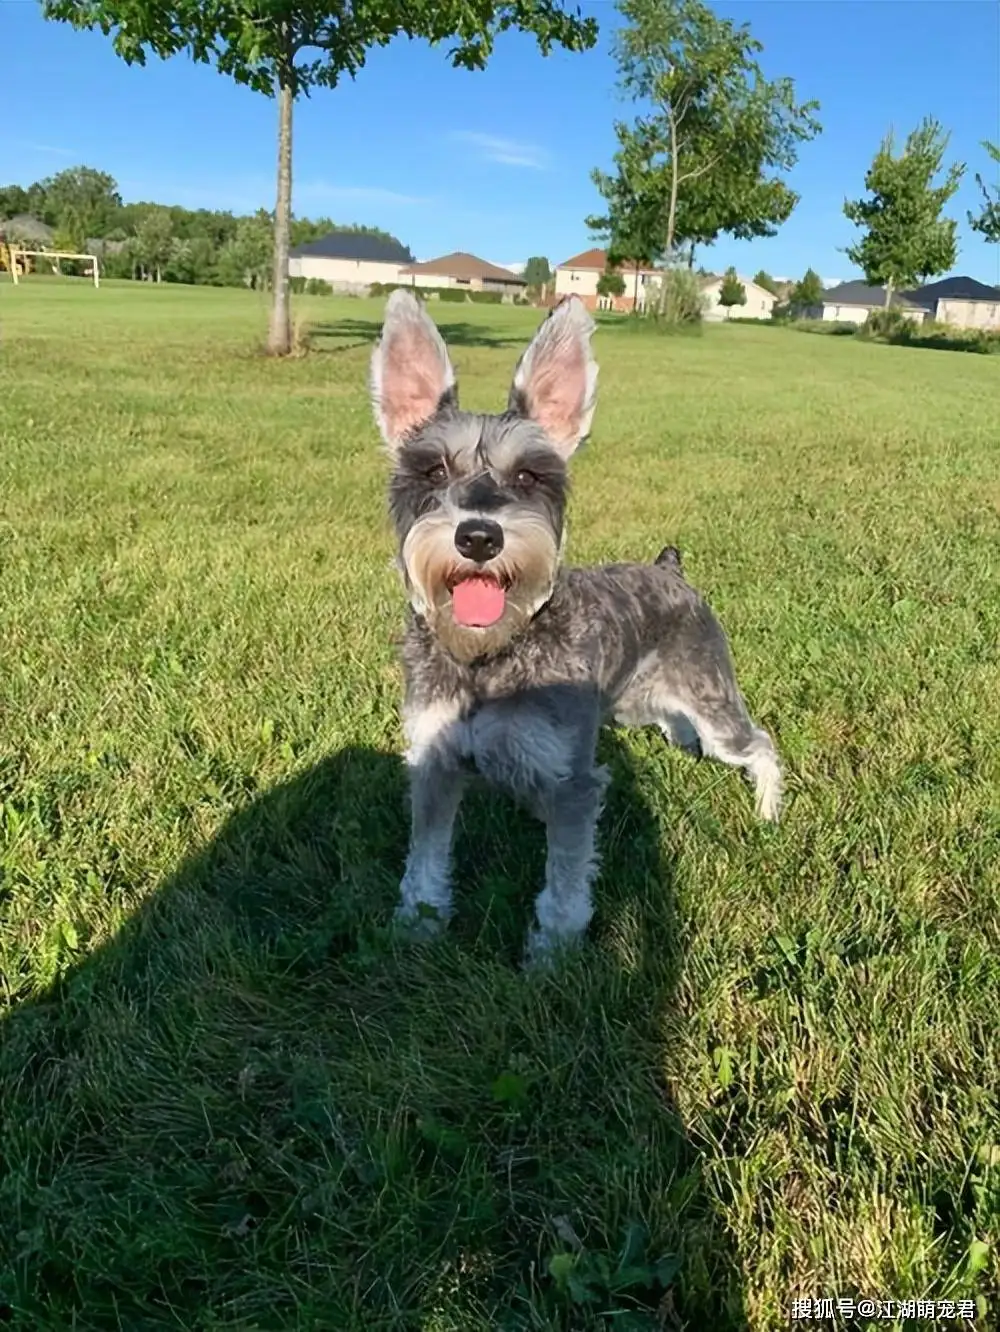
(853,302)
(350,260)
(579,277)
(961,301)
(463,270)
(759,301)
(31,232)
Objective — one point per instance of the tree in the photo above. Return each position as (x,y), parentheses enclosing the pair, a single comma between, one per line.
(732,290)
(537,271)
(708,157)
(284,48)
(81,202)
(987,223)
(906,238)
(807,292)
(765,280)
(610,283)
(154,240)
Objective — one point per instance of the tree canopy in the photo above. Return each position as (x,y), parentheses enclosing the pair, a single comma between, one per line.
(906,239)
(987,221)
(807,292)
(732,290)
(707,153)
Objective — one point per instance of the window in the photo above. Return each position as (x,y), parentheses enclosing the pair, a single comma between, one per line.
(462,282)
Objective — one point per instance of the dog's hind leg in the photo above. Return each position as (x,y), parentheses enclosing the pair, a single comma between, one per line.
(726,732)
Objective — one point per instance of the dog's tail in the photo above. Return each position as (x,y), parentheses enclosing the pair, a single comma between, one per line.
(671,557)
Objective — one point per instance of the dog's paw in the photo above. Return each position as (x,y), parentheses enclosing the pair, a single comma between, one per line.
(543,950)
(419,921)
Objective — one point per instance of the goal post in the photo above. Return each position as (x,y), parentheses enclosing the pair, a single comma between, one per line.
(16,252)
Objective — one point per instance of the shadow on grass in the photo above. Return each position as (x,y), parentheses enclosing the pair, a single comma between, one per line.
(255,1109)
(343,335)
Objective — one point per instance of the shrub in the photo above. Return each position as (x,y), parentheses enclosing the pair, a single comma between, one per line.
(318,287)
(297,285)
(685,303)
(454,294)
(386,288)
(891,323)
(486,297)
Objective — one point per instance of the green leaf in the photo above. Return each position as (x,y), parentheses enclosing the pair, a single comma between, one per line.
(561,1268)
(978,1256)
(510,1088)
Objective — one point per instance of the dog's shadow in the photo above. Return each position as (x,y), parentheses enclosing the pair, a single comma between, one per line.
(257,1108)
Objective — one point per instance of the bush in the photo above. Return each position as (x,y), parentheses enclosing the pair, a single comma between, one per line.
(318,287)
(297,285)
(685,303)
(386,288)
(454,294)
(891,323)
(486,297)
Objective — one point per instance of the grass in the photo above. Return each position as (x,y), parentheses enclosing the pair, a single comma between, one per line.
(231,1101)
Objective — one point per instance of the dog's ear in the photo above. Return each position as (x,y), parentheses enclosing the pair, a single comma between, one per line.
(555,383)
(411,374)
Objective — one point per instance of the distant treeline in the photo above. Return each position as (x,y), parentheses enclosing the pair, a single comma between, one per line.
(81,210)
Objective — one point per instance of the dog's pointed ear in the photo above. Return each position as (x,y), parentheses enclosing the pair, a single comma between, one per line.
(555,383)
(411,374)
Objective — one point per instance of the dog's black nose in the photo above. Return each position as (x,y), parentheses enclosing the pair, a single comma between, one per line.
(479,539)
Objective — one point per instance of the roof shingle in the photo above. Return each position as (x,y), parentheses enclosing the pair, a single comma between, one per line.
(357,245)
(467,266)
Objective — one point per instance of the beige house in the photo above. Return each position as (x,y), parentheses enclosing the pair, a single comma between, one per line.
(853,302)
(759,301)
(579,277)
(961,301)
(350,261)
(463,270)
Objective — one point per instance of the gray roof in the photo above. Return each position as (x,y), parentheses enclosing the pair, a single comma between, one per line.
(356,245)
(955,289)
(859,293)
(952,288)
(24,227)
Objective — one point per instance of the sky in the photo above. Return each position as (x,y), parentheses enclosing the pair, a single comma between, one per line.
(498,163)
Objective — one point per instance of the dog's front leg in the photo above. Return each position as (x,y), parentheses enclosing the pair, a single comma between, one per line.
(564,906)
(435,795)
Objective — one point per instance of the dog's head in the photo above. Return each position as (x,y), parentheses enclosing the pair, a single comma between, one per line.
(478,501)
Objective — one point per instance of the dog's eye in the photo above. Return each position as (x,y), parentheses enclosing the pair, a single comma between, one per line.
(526,478)
(437,475)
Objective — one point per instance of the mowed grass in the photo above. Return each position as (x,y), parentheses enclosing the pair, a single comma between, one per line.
(230,1100)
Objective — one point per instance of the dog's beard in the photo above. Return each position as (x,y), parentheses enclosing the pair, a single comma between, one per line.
(525,570)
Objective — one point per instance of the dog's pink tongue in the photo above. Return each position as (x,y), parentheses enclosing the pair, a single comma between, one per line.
(477,602)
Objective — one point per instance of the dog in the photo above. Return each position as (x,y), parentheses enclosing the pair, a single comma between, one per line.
(512,662)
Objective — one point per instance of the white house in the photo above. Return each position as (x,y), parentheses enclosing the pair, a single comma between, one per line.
(463,270)
(961,301)
(350,261)
(579,277)
(759,303)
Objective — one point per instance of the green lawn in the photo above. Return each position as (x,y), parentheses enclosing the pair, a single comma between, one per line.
(229,1101)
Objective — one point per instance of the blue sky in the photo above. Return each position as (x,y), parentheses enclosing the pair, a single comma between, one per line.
(498,163)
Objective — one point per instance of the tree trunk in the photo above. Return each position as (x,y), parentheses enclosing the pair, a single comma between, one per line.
(888,293)
(279,340)
(635,290)
(672,212)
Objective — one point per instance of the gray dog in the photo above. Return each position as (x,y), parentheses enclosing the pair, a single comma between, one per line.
(511,662)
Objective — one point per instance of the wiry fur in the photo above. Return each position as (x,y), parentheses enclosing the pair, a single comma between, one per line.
(520,702)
